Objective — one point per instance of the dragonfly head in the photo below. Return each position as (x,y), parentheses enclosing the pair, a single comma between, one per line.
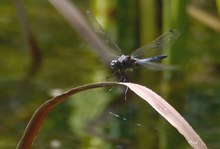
(115,64)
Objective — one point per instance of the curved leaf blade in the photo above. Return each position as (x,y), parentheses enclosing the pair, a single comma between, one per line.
(169,113)
(158,103)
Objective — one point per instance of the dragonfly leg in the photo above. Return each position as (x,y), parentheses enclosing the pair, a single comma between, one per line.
(122,76)
(125,93)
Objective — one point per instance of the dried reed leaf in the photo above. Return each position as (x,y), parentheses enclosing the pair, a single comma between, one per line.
(158,103)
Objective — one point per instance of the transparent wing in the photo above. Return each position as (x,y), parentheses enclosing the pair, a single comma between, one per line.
(162,42)
(102,35)
(157,66)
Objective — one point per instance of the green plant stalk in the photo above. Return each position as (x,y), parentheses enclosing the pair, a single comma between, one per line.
(218,7)
(127,25)
(147,20)
(174,16)
(166,19)
(148,30)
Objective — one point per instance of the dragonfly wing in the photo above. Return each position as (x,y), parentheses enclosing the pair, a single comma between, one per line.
(102,35)
(156,66)
(162,42)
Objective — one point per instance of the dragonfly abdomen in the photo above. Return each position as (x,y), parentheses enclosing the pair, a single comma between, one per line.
(151,59)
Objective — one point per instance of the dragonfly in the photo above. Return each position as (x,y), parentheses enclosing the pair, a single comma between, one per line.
(120,62)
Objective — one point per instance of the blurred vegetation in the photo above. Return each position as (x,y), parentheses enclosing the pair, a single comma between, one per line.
(66,61)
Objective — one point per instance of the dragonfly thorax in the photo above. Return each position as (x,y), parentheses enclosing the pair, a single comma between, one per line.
(122,63)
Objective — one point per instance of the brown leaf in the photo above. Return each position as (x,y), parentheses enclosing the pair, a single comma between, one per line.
(158,103)
(169,113)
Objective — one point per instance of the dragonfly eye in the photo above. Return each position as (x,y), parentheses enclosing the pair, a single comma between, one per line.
(114,64)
